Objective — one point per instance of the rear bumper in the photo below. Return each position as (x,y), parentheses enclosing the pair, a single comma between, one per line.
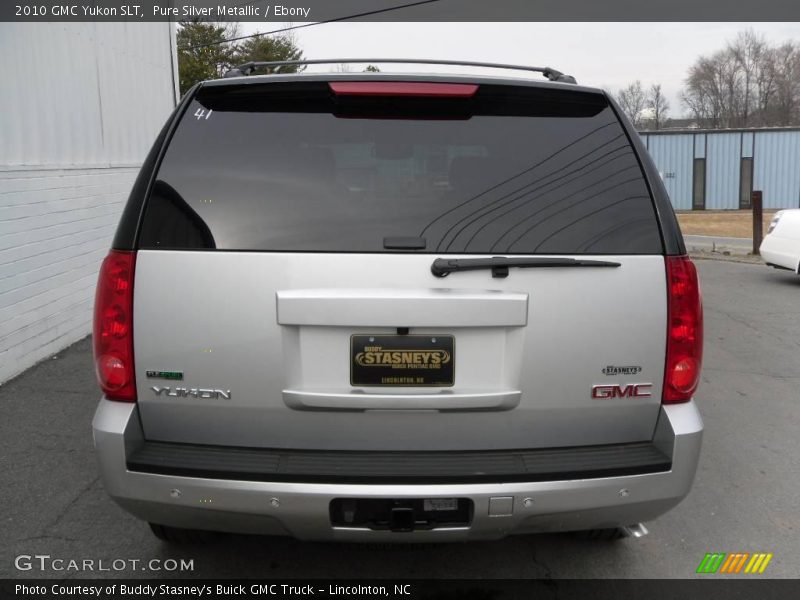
(301,509)
(780,252)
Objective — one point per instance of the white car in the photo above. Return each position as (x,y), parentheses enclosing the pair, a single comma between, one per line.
(781,245)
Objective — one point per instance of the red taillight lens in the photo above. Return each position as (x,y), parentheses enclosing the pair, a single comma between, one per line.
(684,330)
(113,326)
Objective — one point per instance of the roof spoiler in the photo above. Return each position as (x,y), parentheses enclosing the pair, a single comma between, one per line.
(247,68)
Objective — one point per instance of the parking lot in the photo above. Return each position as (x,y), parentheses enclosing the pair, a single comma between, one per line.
(745,498)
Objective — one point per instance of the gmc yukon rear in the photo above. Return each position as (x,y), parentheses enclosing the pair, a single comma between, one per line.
(398,308)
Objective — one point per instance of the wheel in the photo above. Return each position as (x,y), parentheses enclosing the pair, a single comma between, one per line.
(602,535)
(176,535)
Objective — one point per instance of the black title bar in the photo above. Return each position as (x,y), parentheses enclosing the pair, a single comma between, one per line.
(304,11)
(414,589)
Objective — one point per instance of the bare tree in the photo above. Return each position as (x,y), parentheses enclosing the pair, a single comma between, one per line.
(785,105)
(713,93)
(766,85)
(749,83)
(658,105)
(748,51)
(632,101)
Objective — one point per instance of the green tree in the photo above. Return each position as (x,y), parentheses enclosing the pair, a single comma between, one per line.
(271,48)
(203,52)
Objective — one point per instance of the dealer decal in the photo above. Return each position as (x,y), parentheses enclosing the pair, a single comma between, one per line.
(616,370)
(376,356)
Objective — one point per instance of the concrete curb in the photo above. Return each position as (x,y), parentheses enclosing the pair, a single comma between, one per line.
(726,256)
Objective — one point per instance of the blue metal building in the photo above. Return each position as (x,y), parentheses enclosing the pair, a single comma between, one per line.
(718,169)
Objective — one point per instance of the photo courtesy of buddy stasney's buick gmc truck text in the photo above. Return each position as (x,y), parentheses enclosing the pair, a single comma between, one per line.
(208,590)
(397,307)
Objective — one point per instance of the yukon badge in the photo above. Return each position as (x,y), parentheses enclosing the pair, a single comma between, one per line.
(181,392)
(631,390)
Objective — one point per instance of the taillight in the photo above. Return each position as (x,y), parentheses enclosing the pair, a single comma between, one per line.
(113,326)
(774,223)
(684,330)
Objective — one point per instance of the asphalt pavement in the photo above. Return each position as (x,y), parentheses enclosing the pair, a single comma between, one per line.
(745,498)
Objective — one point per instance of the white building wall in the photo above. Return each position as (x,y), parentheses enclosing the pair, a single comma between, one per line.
(80,105)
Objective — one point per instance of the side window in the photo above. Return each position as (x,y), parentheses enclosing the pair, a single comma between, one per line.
(699,184)
(746,183)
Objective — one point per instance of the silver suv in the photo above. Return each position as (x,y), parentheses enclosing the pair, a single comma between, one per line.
(400,308)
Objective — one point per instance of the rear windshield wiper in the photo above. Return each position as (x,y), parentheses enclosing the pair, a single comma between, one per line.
(499,265)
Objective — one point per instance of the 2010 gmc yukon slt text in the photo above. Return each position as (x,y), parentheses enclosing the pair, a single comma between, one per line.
(397,307)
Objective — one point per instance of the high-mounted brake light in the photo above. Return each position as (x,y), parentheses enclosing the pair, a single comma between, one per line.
(403,88)
(684,330)
(113,326)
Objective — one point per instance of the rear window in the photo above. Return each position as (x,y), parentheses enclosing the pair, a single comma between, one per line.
(294,167)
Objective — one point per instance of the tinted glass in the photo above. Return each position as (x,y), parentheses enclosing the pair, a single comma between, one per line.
(292,167)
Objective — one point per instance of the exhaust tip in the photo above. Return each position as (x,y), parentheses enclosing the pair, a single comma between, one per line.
(637,530)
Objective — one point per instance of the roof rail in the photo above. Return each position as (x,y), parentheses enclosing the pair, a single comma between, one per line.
(247,68)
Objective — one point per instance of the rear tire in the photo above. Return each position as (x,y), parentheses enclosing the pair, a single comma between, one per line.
(602,535)
(178,536)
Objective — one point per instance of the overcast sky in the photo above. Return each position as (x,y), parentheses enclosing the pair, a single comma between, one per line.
(608,55)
